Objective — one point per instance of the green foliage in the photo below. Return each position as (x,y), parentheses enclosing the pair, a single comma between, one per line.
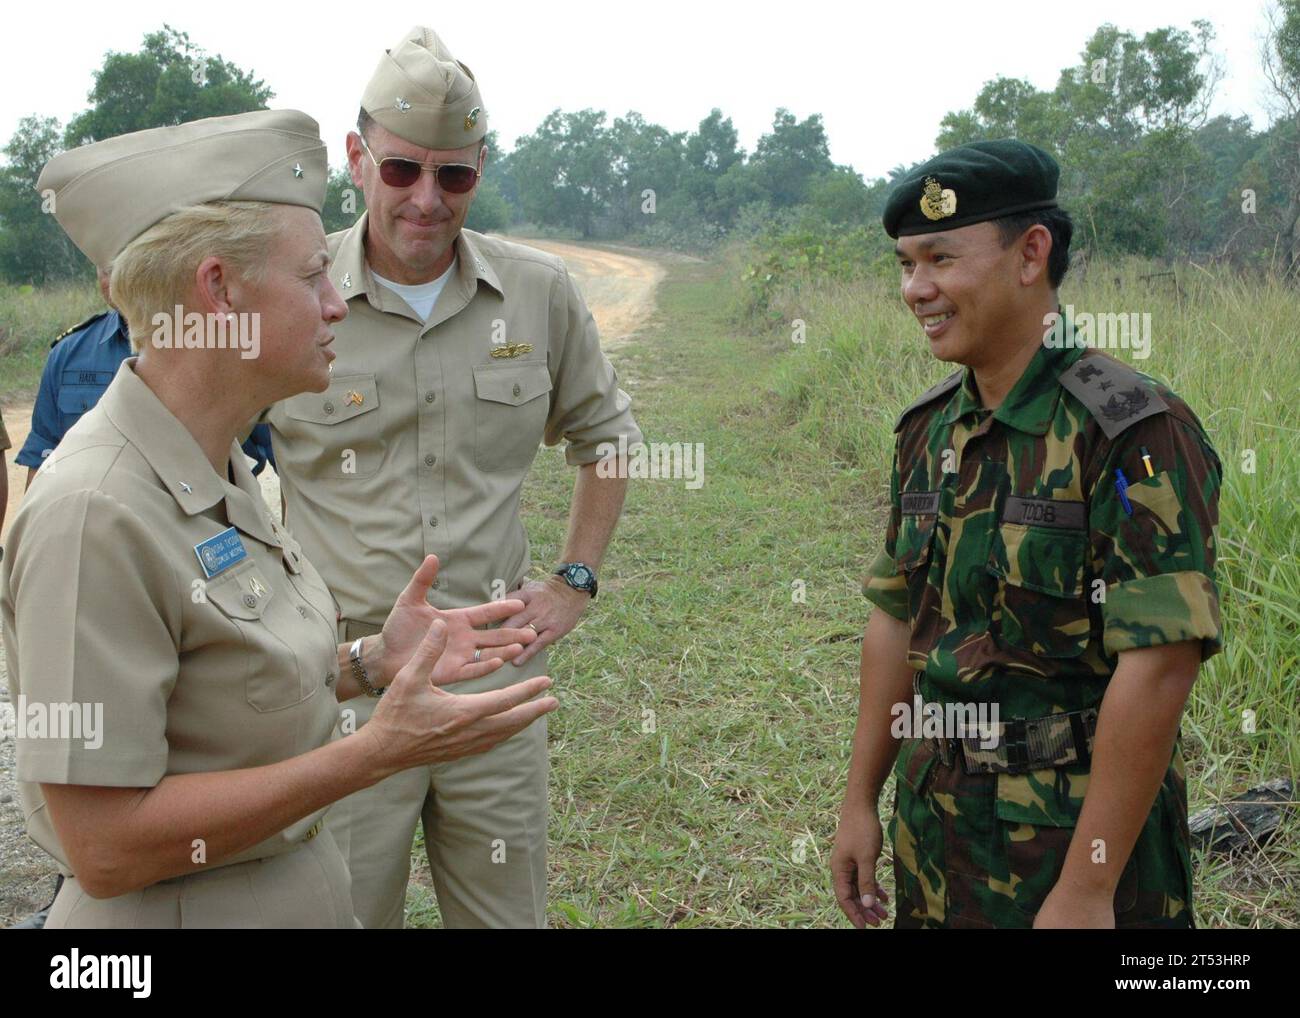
(779,260)
(33,249)
(489,211)
(169,81)
(344,202)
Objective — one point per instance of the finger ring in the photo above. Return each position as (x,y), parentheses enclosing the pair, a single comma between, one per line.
(477,654)
(532,627)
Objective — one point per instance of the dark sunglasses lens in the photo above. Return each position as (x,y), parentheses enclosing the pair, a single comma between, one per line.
(399,172)
(457,178)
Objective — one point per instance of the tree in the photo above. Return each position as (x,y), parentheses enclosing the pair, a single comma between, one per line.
(711,152)
(647,157)
(169,81)
(565,170)
(789,157)
(1282,68)
(33,248)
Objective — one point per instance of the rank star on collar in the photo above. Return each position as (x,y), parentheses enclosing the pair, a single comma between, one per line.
(297,169)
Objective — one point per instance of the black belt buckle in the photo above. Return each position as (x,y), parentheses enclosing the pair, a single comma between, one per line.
(1015,739)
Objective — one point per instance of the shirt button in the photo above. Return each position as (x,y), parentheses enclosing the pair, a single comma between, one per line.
(430,459)
(436,584)
(515,390)
(250,601)
(302,611)
(329,407)
(429,397)
(329,679)
(433,521)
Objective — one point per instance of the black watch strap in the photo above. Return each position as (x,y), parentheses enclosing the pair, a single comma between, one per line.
(579,576)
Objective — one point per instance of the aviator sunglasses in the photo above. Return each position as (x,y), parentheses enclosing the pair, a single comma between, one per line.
(454,178)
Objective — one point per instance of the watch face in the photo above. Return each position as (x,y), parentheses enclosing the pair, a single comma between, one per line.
(582,576)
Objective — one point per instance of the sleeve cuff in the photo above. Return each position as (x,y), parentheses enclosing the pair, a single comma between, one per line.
(591,450)
(58,763)
(1167,608)
(30,453)
(885,587)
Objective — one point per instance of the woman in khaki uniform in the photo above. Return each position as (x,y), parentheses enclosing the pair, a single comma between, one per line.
(172,656)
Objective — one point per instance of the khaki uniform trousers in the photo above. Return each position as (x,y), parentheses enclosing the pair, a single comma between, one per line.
(304,888)
(484,820)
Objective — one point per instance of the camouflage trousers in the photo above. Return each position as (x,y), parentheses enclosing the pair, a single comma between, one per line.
(982,851)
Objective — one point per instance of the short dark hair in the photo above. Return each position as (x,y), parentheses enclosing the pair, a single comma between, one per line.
(364,120)
(1059,225)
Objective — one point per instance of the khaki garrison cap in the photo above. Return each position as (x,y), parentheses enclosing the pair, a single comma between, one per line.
(424,95)
(108,193)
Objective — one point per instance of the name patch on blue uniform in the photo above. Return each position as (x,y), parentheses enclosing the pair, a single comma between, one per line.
(219,553)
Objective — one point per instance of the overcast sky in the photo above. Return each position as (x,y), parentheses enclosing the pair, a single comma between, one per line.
(881,76)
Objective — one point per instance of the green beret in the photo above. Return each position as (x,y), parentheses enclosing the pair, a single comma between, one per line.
(972,184)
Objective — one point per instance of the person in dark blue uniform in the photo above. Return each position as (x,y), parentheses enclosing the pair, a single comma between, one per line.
(81,364)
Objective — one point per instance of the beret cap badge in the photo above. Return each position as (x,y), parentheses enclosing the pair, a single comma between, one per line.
(937,202)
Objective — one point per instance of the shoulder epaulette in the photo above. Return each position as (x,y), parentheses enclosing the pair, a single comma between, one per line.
(934,392)
(78,327)
(1115,394)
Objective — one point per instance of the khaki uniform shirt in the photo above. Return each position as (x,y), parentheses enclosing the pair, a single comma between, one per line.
(422,441)
(106,609)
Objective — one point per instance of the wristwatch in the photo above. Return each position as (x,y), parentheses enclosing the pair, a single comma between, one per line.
(577,575)
(359,670)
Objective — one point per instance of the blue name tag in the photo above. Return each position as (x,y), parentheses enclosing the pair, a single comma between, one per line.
(221,552)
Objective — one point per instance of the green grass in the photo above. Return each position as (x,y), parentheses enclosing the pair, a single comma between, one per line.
(29,320)
(725,813)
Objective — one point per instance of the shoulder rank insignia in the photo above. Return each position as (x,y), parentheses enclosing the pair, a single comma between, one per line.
(1115,394)
(511,350)
(937,202)
(932,393)
(78,327)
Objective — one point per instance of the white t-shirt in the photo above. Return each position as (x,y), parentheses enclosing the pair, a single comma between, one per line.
(422,296)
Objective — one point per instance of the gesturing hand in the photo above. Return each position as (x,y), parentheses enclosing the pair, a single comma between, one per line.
(409,621)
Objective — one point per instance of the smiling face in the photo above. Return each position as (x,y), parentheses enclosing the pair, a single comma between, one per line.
(412,229)
(966,291)
(298,306)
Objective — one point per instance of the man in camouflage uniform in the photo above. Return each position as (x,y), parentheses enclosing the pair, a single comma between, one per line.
(1050,553)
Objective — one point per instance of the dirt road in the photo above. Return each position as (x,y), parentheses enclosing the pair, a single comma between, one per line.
(619,286)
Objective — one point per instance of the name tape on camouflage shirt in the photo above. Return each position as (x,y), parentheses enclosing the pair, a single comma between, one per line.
(1044,512)
(919,503)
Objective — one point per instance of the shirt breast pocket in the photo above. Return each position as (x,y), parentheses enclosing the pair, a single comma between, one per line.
(273,676)
(75,400)
(510,413)
(344,438)
(912,556)
(1041,606)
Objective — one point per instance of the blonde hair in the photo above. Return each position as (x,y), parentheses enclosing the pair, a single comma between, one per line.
(156,270)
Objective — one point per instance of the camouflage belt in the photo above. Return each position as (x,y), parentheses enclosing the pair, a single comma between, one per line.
(1027,744)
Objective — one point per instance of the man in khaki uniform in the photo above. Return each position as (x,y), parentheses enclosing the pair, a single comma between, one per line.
(461,353)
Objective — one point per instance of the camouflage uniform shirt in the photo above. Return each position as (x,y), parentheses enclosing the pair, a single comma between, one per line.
(1011,556)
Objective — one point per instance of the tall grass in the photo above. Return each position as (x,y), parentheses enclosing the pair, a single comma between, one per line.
(30,318)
